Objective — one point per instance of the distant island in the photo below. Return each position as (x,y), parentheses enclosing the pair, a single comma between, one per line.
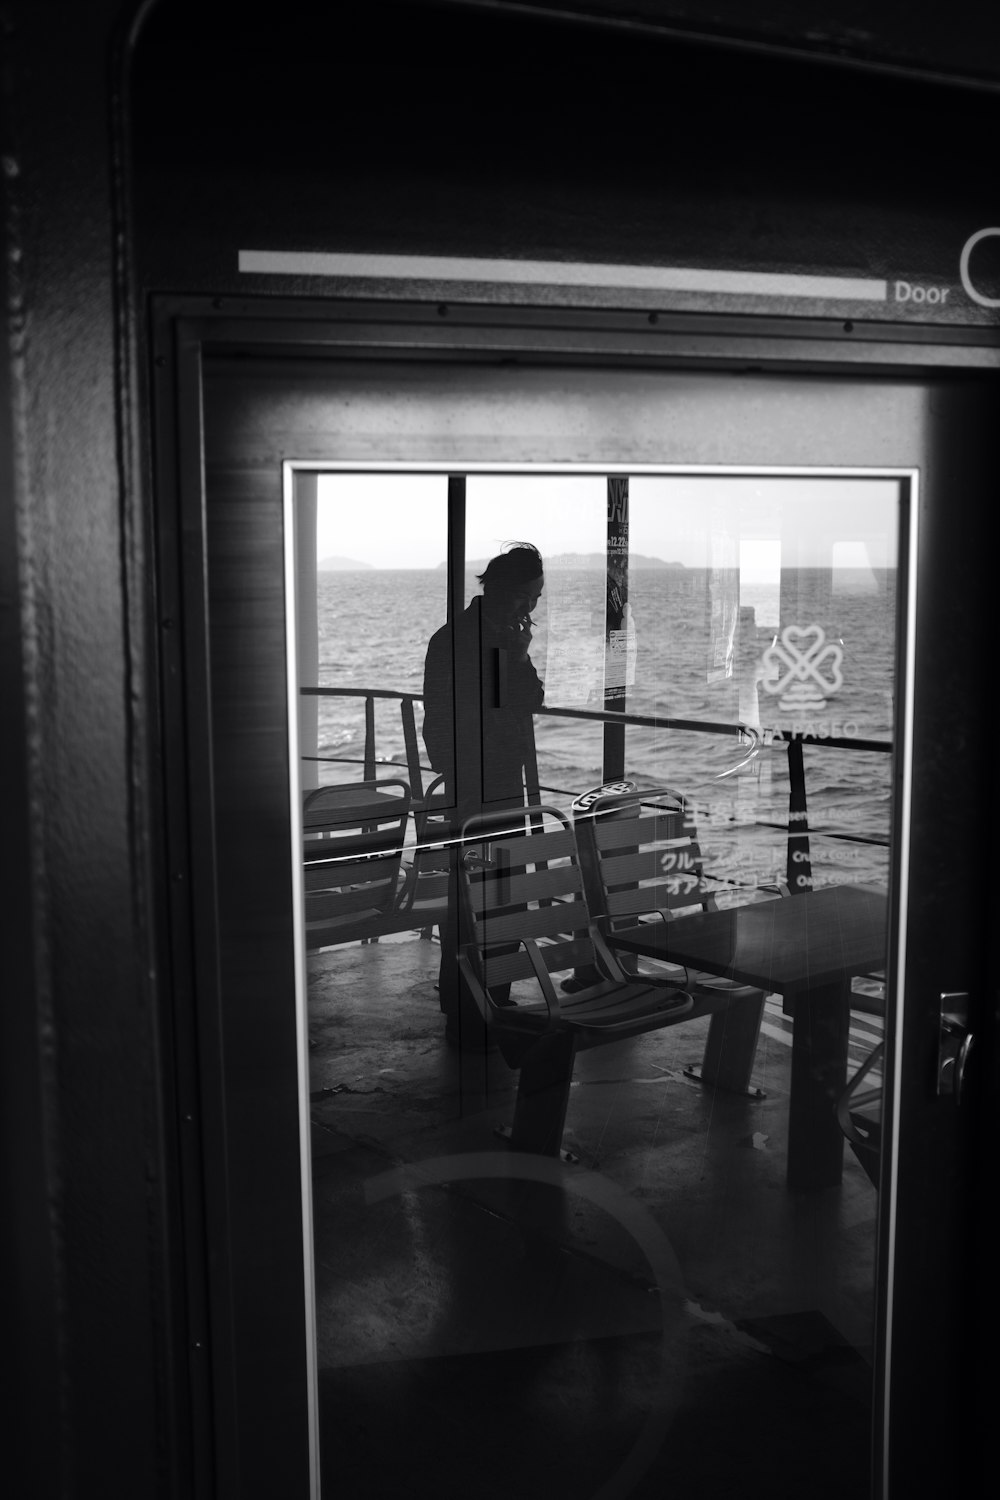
(599,559)
(342,565)
(579,560)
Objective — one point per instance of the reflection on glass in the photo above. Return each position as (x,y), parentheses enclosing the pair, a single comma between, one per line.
(381,587)
(566,518)
(779,613)
(623,1316)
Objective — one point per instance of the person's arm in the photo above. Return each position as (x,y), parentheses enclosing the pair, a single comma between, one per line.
(523,691)
(439,706)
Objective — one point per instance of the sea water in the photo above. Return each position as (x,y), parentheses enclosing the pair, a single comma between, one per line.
(815,656)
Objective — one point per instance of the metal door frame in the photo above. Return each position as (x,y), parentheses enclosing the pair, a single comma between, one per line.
(184,330)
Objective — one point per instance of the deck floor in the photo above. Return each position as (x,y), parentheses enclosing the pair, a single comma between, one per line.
(664,1312)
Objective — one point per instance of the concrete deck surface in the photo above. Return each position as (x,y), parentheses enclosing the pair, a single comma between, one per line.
(664,1313)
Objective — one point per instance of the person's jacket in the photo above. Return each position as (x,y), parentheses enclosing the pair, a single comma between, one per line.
(497,694)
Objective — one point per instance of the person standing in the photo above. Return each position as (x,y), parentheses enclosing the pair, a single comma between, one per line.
(481,691)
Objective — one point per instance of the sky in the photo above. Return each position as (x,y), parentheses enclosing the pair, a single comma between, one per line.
(400,520)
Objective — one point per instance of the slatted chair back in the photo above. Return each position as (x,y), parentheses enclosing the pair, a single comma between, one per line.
(522,884)
(527,920)
(427,864)
(642,855)
(353,835)
(643,863)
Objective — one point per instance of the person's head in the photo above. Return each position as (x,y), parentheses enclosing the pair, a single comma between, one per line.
(513,580)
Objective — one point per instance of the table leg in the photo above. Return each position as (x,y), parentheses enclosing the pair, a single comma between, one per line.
(819,1075)
(731,1045)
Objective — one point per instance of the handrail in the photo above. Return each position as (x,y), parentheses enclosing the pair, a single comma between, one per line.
(352,692)
(797,827)
(758,738)
(747,733)
(599,716)
(641,721)
(406,702)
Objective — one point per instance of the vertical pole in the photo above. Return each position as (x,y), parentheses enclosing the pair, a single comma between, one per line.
(799,864)
(456,545)
(307,625)
(369,739)
(414,773)
(616,622)
(466,675)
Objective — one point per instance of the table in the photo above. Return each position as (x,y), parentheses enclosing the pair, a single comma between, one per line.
(807,948)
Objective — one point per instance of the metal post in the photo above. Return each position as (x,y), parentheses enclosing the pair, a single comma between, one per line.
(307,625)
(799,864)
(616,621)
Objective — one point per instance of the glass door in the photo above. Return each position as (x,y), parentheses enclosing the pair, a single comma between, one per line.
(707,1241)
(740,608)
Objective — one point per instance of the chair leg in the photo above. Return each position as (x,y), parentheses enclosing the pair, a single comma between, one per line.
(731,1045)
(543,1094)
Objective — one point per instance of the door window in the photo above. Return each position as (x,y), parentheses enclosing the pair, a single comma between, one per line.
(704,1261)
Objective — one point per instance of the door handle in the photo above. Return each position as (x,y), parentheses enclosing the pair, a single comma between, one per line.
(954,1043)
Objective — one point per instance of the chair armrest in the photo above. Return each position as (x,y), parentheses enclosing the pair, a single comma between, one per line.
(633,973)
(779,888)
(544,978)
(488,1010)
(607,963)
(407,891)
(758,893)
(483,1003)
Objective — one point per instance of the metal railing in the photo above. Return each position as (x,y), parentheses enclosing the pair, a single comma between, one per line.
(370,761)
(746,733)
(754,739)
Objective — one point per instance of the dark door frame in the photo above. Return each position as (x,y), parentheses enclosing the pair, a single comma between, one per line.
(186,329)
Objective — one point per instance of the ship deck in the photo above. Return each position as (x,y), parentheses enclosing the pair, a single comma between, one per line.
(662,1311)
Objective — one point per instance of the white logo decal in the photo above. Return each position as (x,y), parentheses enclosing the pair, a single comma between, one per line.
(793,668)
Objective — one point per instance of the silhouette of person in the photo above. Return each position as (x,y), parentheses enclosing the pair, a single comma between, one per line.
(480,692)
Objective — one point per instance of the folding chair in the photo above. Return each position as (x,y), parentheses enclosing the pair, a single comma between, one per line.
(643,863)
(352,849)
(526,921)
